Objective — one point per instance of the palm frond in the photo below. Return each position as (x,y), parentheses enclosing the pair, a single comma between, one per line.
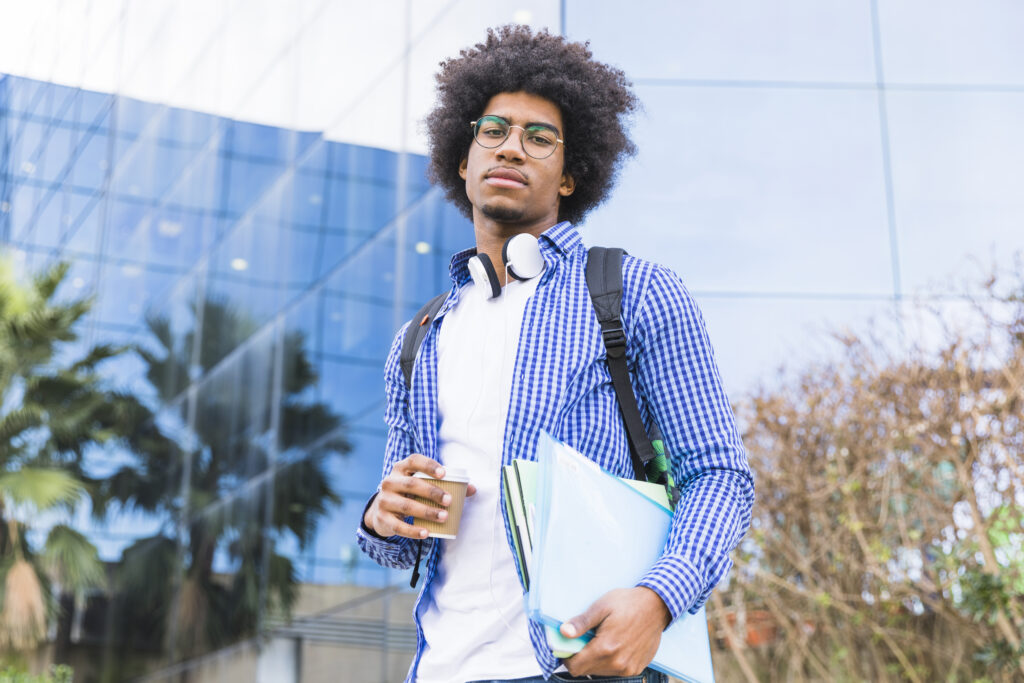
(70,558)
(40,488)
(47,282)
(18,421)
(97,355)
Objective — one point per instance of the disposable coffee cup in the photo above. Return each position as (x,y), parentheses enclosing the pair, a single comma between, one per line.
(455,483)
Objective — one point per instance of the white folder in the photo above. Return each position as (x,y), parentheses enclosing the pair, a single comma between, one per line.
(596,533)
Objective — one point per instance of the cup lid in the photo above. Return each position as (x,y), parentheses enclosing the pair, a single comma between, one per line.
(450,474)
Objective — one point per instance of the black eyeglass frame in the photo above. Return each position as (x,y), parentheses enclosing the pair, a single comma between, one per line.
(509,126)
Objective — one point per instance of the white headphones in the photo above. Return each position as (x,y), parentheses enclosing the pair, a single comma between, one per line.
(522,260)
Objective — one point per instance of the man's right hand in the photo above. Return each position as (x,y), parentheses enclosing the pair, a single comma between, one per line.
(386,515)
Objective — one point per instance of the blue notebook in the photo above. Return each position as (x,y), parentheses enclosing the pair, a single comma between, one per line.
(595,533)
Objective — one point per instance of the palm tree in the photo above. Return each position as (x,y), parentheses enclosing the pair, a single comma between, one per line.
(51,412)
(248,486)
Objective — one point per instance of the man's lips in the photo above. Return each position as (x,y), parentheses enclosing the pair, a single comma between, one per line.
(505,177)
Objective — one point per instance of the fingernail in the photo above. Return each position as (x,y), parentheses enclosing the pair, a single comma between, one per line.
(446,499)
(423,533)
(568,630)
(442,515)
(439,473)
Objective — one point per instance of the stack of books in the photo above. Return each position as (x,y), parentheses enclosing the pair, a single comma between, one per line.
(580,532)
(520,482)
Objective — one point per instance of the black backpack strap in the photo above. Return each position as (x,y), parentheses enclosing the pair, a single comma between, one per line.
(415,333)
(604,280)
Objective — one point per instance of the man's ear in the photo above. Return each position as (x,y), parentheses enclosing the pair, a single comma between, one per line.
(567,186)
(463,165)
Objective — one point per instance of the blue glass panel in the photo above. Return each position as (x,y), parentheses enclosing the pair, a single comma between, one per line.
(46,229)
(62,98)
(300,253)
(357,326)
(339,245)
(433,227)
(360,205)
(307,202)
(248,181)
(126,289)
(132,116)
(170,323)
(94,108)
(202,190)
(174,238)
(366,163)
(148,170)
(85,227)
(27,147)
(128,225)
(314,156)
(267,142)
(24,94)
(416,174)
(245,270)
(90,168)
(76,210)
(80,280)
(348,388)
(304,318)
(187,128)
(23,200)
(54,159)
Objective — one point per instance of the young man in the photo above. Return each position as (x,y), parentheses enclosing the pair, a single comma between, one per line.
(527,137)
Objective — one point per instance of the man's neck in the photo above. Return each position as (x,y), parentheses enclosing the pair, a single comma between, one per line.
(492,235)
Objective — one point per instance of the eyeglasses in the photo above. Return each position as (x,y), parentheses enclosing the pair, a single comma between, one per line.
(538,141)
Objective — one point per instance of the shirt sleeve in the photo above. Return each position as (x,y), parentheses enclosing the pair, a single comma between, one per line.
(397,552)
(679,377)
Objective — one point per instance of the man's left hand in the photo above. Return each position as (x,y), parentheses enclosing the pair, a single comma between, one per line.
(628,623)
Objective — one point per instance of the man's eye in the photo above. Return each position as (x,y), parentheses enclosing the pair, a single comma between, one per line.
(543,140)
(493,132)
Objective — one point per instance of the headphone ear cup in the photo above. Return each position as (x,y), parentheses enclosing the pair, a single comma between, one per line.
(505,259)
(522,257)
(484,275)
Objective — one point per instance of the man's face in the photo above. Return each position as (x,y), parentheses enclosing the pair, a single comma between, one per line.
(507,185)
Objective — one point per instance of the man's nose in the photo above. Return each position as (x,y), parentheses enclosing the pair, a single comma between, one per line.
(512,146)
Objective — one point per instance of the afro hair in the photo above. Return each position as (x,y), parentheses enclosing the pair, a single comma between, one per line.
(595,101)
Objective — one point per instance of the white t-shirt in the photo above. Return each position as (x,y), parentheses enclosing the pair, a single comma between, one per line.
(473,620)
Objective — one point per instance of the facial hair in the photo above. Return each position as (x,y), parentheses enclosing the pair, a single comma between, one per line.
(502,214)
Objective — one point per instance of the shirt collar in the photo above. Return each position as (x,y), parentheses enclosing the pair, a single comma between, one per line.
(555,242)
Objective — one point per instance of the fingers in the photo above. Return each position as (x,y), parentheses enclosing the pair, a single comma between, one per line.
(397,498)
(414,486)
(627,633)
(420,463)
(470,490)
(582,623)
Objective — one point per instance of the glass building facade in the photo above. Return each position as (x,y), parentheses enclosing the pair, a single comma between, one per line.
(241,186)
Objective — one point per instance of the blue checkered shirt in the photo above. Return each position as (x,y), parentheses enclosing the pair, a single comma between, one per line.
(562,385)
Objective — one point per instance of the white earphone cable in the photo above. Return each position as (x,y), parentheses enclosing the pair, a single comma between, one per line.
(502,419)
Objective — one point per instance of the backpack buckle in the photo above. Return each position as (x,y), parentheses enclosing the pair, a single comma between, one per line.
(613,335)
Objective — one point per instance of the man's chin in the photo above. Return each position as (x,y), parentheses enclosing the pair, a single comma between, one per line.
(502,214)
